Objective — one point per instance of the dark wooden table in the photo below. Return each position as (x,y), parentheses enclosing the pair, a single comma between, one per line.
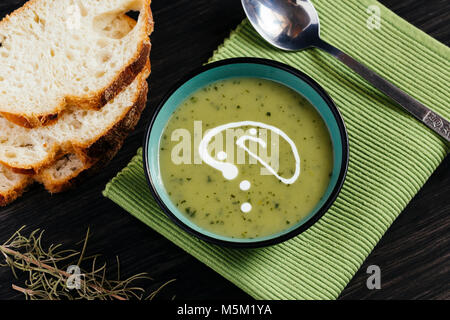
(413,255)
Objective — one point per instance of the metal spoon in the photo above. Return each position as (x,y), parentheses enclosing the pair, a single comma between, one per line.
(294,25)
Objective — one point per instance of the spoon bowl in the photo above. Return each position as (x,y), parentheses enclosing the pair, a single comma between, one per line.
(288,25)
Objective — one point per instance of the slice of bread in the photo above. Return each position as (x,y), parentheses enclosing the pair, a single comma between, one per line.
(70,169)
(57,55)
(62,173)
(12,185)
(57,178)
(87,133)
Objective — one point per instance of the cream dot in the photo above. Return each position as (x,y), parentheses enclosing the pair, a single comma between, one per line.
(253,131)
(246,207)
(222,155)
(245,185)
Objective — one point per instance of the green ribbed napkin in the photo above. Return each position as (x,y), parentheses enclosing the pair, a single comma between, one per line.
(391,155)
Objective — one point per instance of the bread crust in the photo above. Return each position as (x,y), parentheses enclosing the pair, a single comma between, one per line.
(98,99)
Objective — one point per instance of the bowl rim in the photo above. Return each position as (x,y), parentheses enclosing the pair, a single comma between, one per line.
(296,231)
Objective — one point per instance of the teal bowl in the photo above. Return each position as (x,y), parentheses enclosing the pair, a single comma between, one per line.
(246,68)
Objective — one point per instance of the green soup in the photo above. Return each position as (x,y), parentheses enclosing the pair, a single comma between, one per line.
(246,158)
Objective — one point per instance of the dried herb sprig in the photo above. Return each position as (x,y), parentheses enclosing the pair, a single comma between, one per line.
(48,280)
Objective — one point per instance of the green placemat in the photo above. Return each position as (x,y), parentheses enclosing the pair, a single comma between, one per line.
(391,155)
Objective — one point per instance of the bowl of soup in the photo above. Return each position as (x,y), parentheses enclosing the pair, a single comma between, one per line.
(246,152)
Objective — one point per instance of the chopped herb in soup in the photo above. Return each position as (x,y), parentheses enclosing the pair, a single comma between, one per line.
(246,158)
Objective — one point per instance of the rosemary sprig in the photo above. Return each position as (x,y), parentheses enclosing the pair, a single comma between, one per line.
(48,280)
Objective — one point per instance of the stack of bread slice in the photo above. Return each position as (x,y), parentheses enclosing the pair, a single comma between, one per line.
(73,85)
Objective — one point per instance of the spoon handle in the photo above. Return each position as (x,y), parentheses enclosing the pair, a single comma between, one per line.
(428,117)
